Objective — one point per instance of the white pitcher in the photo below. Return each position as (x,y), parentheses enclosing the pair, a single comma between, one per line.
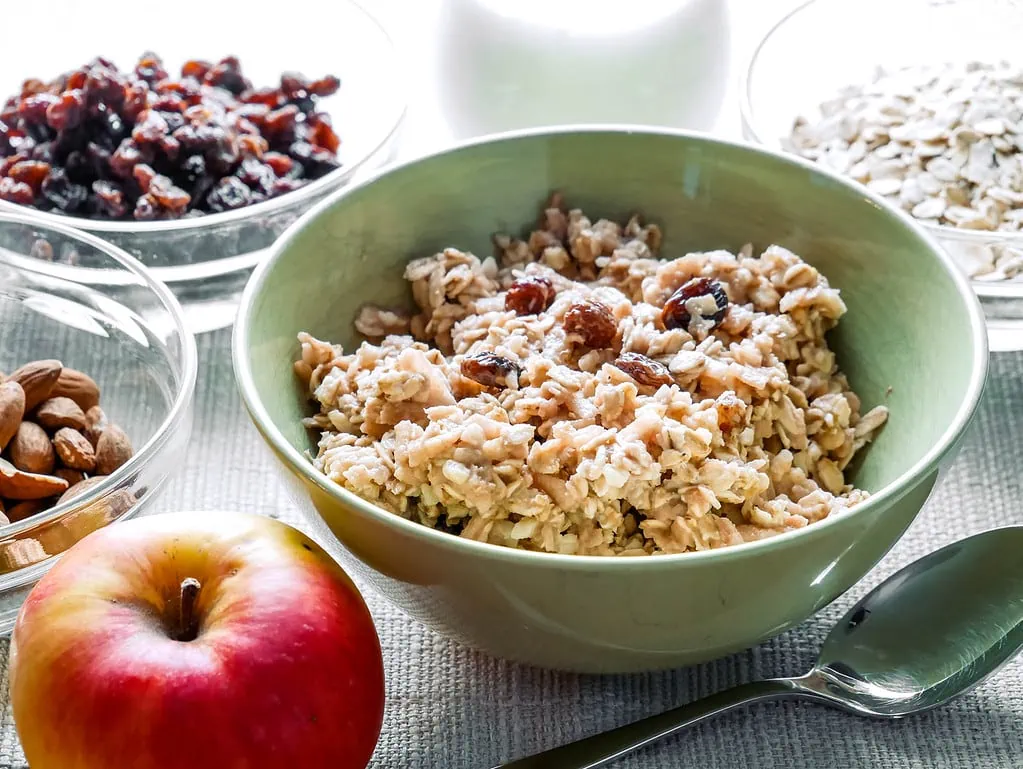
(506,64)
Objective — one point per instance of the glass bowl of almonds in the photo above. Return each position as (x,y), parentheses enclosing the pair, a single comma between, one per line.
(98,373)
(922,102)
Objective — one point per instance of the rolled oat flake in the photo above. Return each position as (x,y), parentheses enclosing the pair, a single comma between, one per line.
(943,142)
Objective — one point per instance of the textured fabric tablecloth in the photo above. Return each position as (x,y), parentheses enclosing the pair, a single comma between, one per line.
(451,708)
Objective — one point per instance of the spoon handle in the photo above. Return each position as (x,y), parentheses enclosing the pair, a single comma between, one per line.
(601,749)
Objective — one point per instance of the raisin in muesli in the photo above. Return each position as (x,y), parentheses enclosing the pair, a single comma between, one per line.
(530,295)
(490,370)
(593,322)
(644,370)
(698,307)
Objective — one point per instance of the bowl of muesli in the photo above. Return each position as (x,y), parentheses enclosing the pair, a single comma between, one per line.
(931,121)
(609,399)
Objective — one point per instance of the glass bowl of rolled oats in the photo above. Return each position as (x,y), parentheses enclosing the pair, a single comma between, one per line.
(921,101)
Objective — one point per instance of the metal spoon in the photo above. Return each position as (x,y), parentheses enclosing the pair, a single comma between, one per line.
(924,636)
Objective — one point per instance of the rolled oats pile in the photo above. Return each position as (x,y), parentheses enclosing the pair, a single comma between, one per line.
(944,143)
(578,395)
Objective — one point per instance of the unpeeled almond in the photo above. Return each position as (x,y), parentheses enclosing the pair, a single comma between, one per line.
(60,411)
(12,410)
(78,386)
(31,449)
(74,450)
(113,449)
(37,379)
(19,485)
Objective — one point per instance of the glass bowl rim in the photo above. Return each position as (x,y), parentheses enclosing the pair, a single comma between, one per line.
(1006,288)
(270,207)
(182,397)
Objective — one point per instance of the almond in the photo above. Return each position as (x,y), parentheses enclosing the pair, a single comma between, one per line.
(97,422)
(79,387)
(80,488)
(37,380)
(113,449)
(17,484)
(61,411)
(12,410)
(74,450)
(31,449)
(23,510)
(72,477)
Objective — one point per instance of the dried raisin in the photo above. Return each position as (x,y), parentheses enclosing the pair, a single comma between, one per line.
(321,133)
(144,176)
(227,75)
(271,97)
(698,307)
(279,125)
(67,112)
(490,370)
(145,208)
(111,198)
(593,322)
(33,108)
(125,158)
(530,295)
(150,68)
(325,86)
(31,172)
(150,128)
(206,141)
(167,196)
(169,102)
(281,164)
(228,194)
(63,194)
(9,162)
(15,192)
(252,147)
(196,68)
(644,370)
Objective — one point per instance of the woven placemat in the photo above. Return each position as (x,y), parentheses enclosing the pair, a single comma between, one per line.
(451,708)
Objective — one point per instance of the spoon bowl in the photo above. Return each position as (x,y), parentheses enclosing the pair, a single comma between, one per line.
(932,631)
(924,636)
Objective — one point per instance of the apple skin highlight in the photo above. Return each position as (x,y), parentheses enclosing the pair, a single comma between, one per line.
(285,669)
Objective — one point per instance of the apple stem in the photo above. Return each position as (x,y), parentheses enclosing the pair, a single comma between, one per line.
(188,627)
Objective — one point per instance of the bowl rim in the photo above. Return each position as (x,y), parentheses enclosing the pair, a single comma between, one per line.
(891,492)
(995,289)
(179,405)
(265,208)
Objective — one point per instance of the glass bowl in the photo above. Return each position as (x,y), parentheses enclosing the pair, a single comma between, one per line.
(109,317)
(825,45)
(206,261)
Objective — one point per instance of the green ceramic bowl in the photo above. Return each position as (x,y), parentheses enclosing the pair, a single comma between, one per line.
(913,326)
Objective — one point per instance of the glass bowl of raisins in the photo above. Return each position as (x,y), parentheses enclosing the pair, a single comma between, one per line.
(194,152)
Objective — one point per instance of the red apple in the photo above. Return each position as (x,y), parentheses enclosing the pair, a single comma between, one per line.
(196,641)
